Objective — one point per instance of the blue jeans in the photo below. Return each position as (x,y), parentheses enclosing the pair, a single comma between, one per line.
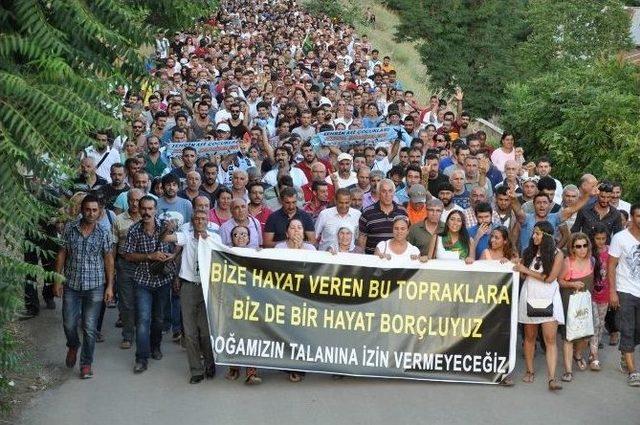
(83,305)
(172,313)
(149,319)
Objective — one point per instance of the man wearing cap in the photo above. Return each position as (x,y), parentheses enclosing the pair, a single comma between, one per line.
(421,233)
(344,177)
(416,209)
(223,131)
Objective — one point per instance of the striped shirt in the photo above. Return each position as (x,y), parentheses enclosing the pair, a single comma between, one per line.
(377,225)
(84,265)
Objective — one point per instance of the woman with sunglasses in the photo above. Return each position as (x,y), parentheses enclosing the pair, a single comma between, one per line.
(240,238)
(540,265)
(577,276)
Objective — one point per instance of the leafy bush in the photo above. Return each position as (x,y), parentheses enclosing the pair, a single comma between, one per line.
(586,117)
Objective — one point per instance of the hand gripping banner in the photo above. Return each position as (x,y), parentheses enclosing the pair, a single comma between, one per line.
(359,315)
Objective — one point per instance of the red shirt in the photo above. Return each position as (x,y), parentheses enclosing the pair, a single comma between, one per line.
(308,193)
(306,168)
(262,216)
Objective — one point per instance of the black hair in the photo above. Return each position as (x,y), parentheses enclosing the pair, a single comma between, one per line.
(546,183)
(463,233)
(483,207)
(170,178)
(546,250)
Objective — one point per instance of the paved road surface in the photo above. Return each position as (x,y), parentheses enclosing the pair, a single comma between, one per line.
(162,395)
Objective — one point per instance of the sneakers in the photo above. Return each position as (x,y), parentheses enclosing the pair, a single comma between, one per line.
(99,337)
(156,354)
(86,372)
(139,367)
(634,379)
(125,345)
(72,355)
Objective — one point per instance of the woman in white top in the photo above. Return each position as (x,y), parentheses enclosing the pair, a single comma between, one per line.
(454,242)
(541,264)
(398,247)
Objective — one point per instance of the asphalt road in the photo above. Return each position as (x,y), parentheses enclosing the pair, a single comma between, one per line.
(162,395)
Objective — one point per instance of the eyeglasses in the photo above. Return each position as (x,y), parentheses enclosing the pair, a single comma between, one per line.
(580,246)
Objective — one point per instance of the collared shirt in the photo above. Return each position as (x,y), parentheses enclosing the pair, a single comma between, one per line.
(377,225)
(155,169)
(255,232)
(420,237)
(314,207)
(139,242)
(111,156)
(121,226)
(588,217)
(329,222)
(84,265)
(189,269)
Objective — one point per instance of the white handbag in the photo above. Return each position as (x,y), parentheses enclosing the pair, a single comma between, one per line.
(579,320)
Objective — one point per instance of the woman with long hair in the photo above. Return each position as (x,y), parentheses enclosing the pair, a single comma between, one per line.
(454,242)
(577,276)
(500,246)
(600,293)
(541,264)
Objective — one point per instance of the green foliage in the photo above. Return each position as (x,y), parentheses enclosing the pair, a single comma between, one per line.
(568,32)
(466,43)
(586,117)
(59,61)
(336,10)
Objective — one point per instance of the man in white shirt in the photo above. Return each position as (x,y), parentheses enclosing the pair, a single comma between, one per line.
(102,154)
(344,177)
(283,161)
(330,220)
(194,313)
(624,290)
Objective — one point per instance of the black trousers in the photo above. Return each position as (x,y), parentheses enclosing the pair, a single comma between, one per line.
(31,301)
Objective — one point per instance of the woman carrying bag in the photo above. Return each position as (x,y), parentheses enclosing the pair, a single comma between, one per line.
(577,276)
(540,303)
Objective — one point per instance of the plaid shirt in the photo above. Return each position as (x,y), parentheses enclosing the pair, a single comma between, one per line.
(139,242)
(84,265)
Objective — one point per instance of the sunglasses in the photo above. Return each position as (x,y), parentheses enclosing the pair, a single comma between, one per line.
(584,245)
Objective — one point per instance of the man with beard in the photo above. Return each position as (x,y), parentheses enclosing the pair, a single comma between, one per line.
(88,180)
(445,194)
(131,167)
(159,124)
(182,123)
(210,183)
(154,165)
(103,156)
(237,126)
(600,212)
(421,233)
(201,121)
(320,199)
(192,189)
(309,158)
(144,247)
(432,178)
(178,208)
(117,186)
(344,177)
(283,167)
(463,124)
(256,207)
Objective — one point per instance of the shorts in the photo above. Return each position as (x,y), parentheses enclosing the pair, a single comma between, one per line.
(629,322)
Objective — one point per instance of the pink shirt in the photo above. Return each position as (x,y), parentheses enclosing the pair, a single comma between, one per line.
(499,157)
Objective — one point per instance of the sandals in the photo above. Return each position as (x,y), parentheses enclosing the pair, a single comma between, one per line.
(594,365)
(507,381)
(252,377)
(528,377)
(554,385)
(295,377)
(567,377)
(232,374)
(582,365)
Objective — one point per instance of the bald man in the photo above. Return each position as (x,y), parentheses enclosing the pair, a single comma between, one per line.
(319,173)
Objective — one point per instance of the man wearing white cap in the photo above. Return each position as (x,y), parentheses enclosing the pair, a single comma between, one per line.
(345,176)
(223,131)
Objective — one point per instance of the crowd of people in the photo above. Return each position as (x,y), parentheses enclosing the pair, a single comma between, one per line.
(272,77)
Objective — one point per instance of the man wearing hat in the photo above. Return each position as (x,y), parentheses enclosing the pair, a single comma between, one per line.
(345,176)
(416,209)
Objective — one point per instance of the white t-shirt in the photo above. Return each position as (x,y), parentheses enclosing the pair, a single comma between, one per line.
(189,263)
(353,179)
(383,248)
(626,248)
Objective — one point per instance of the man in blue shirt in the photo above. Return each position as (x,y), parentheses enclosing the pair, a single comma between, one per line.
(481,232)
